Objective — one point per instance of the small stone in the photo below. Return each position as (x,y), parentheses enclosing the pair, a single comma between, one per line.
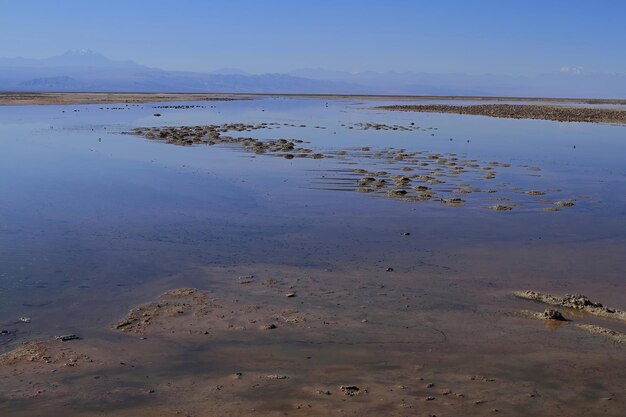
(275,376)
(350,390)
(500,207)
(290,295)
(67,337)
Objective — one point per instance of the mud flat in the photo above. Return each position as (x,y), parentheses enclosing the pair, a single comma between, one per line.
(14,99)
(277,341)
(522,111)
(409,176)
(17,98)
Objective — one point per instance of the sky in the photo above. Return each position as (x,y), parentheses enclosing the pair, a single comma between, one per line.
(444,36)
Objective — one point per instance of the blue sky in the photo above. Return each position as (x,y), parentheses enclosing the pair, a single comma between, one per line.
(498,36)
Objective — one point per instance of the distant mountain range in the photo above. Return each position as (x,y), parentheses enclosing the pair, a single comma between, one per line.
(87,71)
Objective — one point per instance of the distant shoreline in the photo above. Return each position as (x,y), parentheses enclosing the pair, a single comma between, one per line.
(35,98)
(522,111)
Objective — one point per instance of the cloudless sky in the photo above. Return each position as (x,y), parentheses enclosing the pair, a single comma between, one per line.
(497,36)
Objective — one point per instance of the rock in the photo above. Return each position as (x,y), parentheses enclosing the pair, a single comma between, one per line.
(275,376)
(578,301)
(350,390)
(270,326)
(500,207)
(290,294)
(552,314)
(453,201)
(397,193)
(67,337)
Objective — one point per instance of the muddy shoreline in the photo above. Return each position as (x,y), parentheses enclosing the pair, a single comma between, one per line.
(258,350)
(519,111)
(31,98)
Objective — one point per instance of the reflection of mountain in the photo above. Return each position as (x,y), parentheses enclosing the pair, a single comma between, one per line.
(59,83)
(89,71)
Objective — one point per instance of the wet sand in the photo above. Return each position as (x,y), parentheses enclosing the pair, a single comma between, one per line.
(526,111)
(274,340)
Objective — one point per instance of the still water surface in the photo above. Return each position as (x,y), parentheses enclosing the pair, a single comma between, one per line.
(94,221)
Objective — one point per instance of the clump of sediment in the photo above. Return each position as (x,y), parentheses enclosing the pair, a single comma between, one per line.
(193,312)
(28,352)
(42,352)
(382,126)
(576,301)
(216,134)
(500,207)
(552,314)
(603,331)
(170,304)
(410,176)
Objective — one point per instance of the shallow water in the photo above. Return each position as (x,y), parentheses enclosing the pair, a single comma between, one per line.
(94,221)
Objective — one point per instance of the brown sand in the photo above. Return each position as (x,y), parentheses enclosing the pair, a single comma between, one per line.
(367,344)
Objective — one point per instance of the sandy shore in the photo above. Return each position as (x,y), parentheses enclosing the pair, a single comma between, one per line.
(277,341)
(526,111)
(25,98)
(13,99)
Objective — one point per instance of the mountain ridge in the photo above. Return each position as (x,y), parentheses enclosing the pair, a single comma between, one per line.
(89,71)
